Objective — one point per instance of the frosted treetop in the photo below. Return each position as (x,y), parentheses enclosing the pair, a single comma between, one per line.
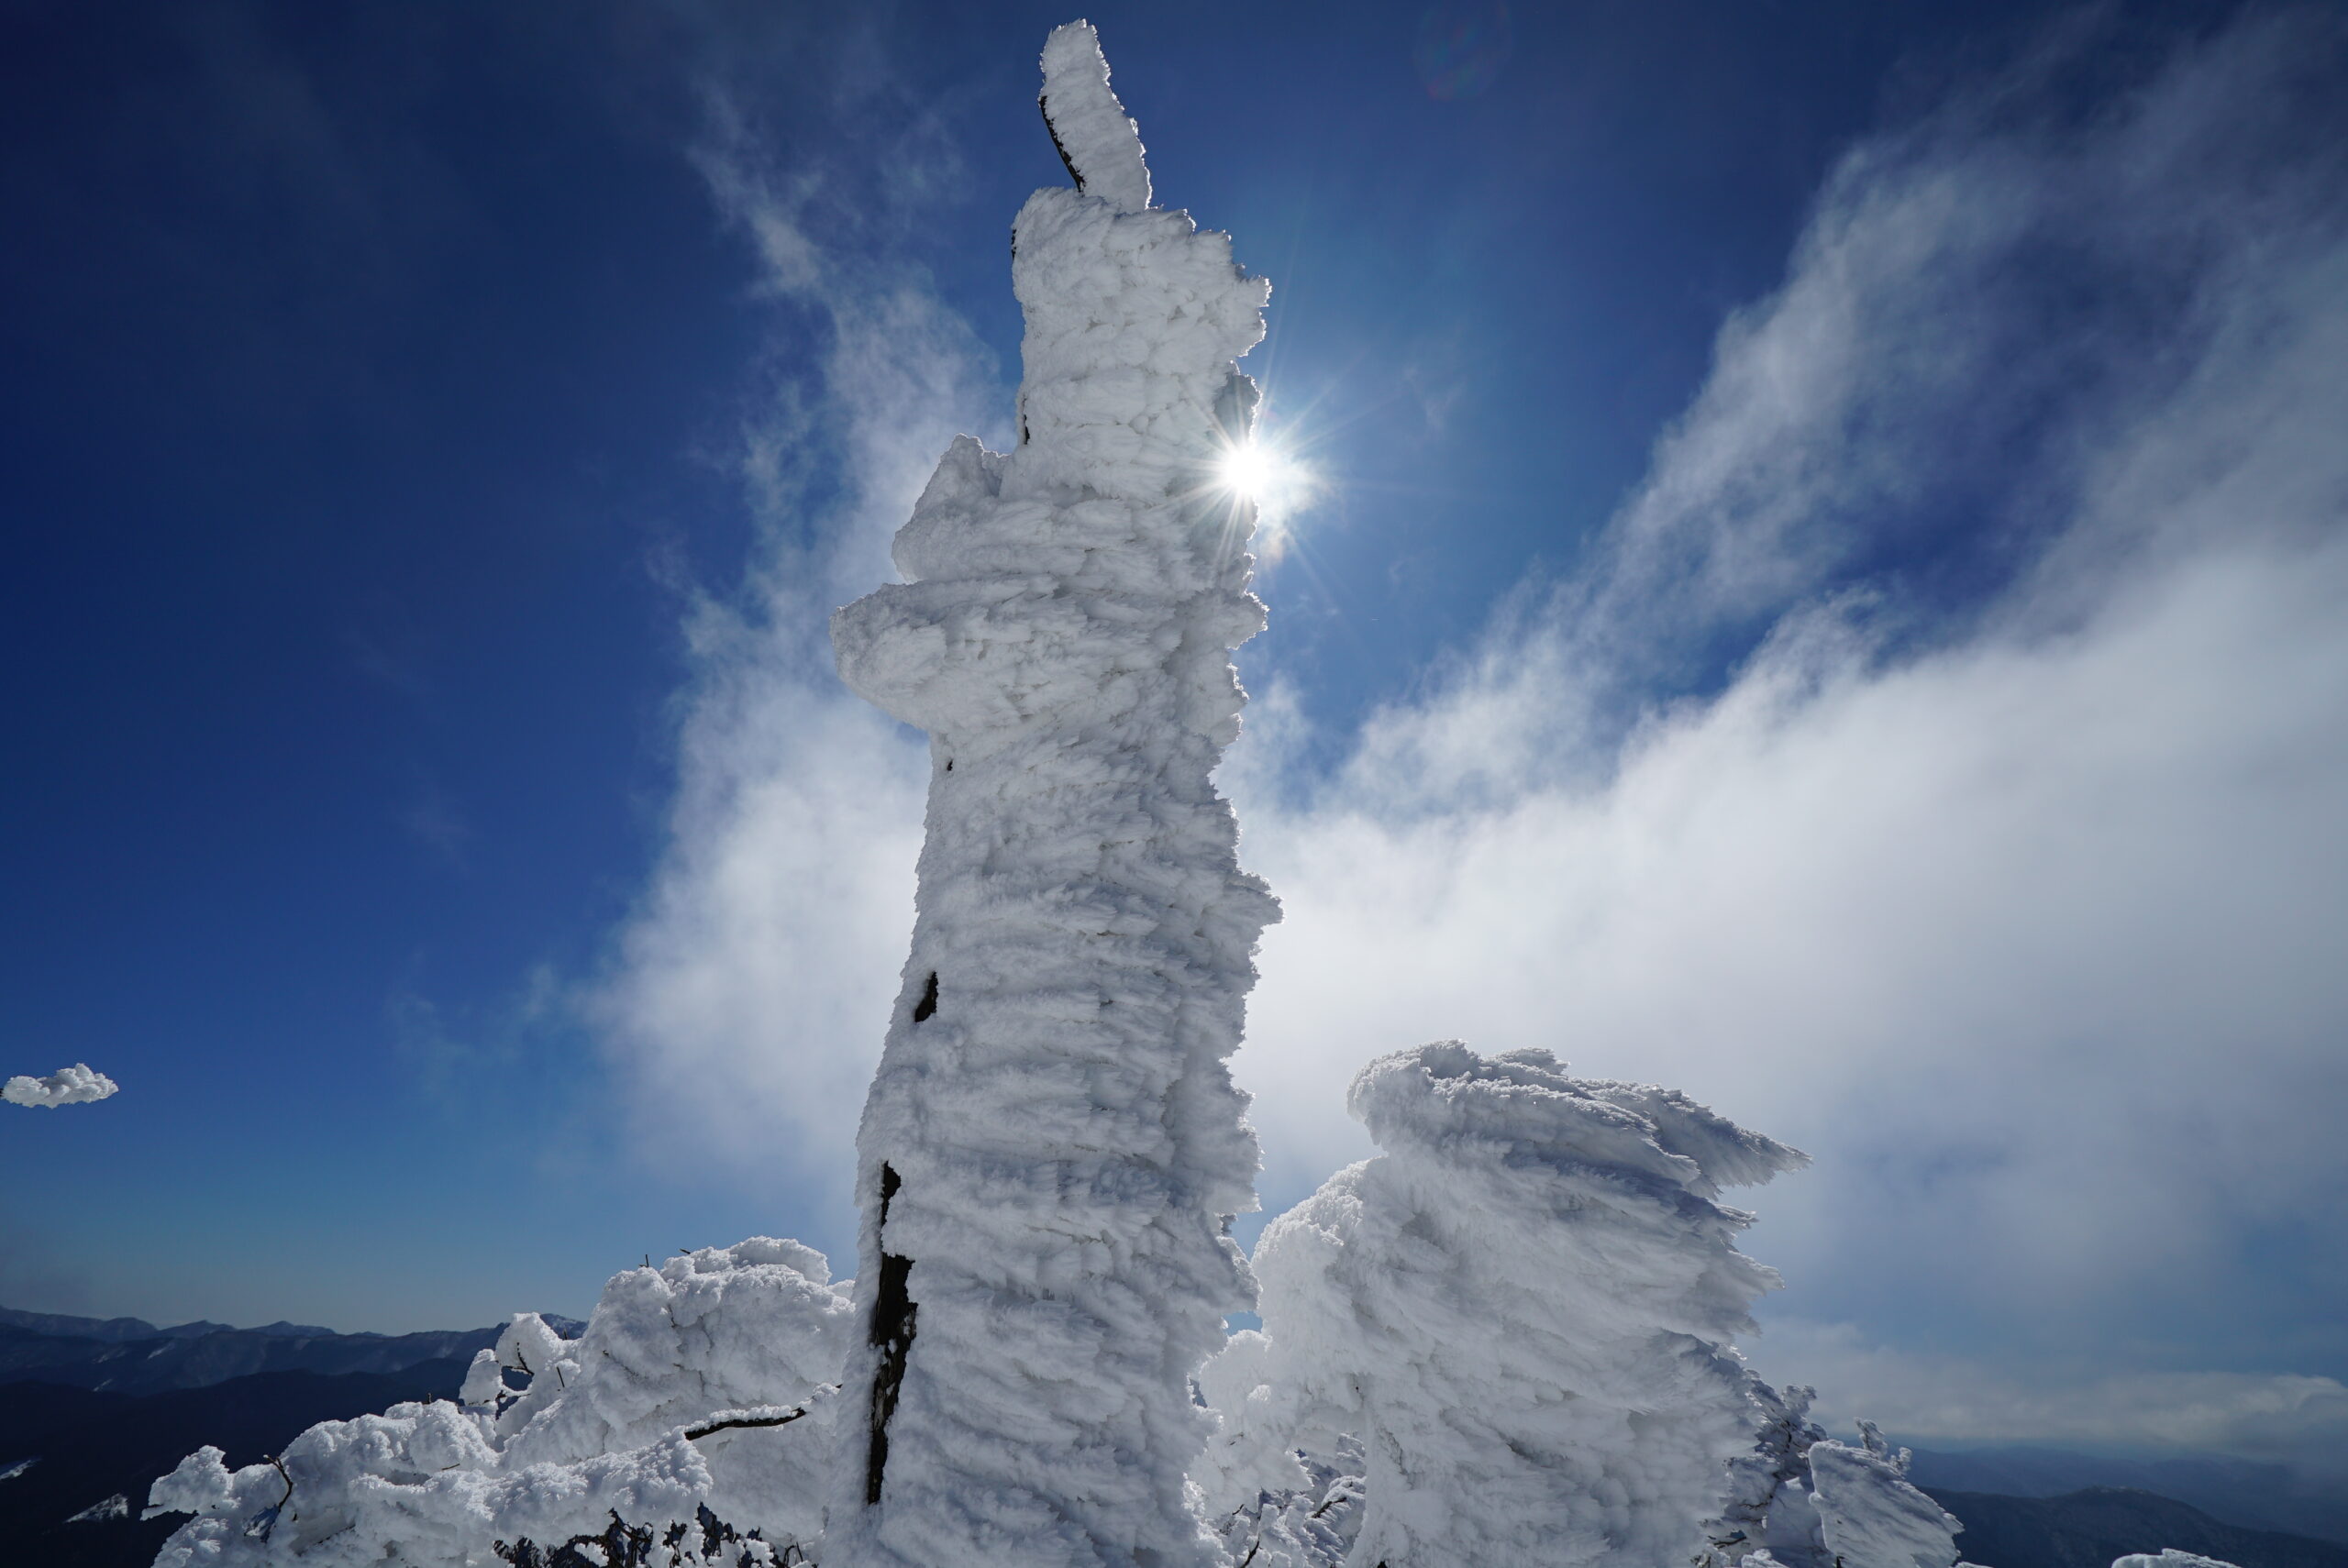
(1520,1106)
(1100,145)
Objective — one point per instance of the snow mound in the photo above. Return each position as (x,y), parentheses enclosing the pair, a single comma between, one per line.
(1523,1308)
(2169,1557)
(76,1084)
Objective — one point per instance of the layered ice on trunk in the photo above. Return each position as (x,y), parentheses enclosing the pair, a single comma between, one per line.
(1053,1147)
(1523,1310)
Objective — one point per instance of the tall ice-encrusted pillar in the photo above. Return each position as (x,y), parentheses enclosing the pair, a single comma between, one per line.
(1053,1147)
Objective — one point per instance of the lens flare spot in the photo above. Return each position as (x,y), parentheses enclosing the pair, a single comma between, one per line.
(1282,488)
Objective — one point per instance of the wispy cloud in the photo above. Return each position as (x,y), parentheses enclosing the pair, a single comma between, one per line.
(753,981)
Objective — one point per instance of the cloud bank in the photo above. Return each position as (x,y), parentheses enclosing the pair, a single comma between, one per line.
(1938,767)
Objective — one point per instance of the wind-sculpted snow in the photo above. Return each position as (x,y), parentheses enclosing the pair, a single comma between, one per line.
(76,1084)
(706,1383)
(1523,1308)
(1869,1516)
(1053,1146)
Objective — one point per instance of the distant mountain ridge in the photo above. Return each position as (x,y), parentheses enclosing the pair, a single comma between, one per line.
(132,1356)
(62,1326)
(2255,1495)
(2090,1527)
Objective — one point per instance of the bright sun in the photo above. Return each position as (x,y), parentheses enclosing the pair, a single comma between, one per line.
(1279,485)
(1250,469)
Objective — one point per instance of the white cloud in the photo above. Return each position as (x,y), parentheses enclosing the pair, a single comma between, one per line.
(76,1084)
(754,980)
(1936,1398)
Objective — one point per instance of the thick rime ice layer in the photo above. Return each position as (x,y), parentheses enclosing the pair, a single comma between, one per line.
(704,1383)
(1523,1307)
(76,1084)
(1053,1145)
(1868,1515)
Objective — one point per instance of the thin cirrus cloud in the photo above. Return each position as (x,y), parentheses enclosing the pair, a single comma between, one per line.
(2000,872)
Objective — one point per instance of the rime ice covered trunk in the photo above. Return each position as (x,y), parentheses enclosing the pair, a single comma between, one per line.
(1523,1308)
(1052,1144)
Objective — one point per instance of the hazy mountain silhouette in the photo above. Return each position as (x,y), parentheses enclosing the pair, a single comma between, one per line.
(129,1355)
(87,1447)
(2240,1491)
(2088,1528)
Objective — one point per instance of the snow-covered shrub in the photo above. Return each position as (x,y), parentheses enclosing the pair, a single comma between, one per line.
(1523,1308)
(700,1391)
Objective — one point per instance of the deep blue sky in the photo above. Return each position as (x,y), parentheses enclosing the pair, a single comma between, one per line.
(372,407)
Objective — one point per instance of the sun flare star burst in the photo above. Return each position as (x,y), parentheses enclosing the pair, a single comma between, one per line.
(1280,486)
(1249,470)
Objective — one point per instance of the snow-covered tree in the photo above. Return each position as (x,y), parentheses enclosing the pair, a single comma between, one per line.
(1522,1309)
(1770,1508)
(693,1411)
(1869,1515)
(1799,1500)
(76,1084)
(1053,1148)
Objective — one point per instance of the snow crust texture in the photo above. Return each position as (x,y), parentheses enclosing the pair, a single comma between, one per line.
(1052,1144)
(671,1401)
(1522,1309)
(76,1084)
